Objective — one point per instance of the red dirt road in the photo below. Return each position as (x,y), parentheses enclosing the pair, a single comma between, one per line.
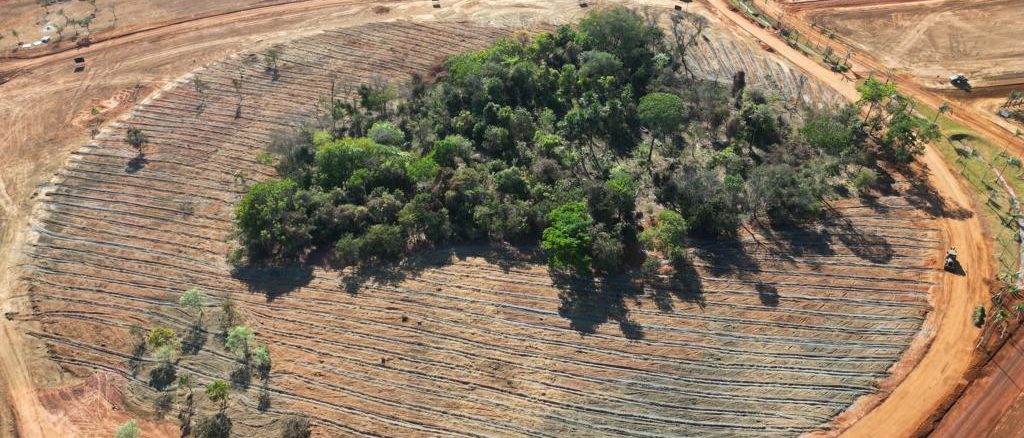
(942,370)
(989,405)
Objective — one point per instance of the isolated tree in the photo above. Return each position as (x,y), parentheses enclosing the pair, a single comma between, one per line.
(199,85)
(128,429)
(238,340)
(85,22)
(236,83)
(270,57)
(136,138)
(161,336)
(16,36)
(165,346)
(193,299)
(60,31)
(261,360)
(567,240)
(218,391)
(186,383)
(687,29)
(228,315)
(662,114)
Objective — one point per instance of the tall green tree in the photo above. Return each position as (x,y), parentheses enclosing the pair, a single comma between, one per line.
(567,240)
(662,114)
(873,92)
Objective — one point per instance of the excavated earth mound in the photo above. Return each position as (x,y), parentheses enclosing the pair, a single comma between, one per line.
(773,335)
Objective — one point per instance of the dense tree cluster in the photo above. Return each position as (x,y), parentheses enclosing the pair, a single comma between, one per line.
(563,138)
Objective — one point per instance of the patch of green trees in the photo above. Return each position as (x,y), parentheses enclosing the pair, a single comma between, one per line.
(563,139)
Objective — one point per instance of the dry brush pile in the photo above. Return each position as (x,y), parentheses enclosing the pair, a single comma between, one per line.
(772,336)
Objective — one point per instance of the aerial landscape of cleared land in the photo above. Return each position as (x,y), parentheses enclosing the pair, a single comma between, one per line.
(492,218)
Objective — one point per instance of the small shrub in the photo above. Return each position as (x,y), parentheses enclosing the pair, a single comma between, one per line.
(216,426)
(265,158)
(979,316)
(346,250)
(386,133)
(864,180)
(128,429)
(295,427)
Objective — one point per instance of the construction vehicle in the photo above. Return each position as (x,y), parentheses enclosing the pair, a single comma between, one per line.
(951,264)
(960,81)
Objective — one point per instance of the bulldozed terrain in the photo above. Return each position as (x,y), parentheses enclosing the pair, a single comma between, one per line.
(777,334)
(935,39)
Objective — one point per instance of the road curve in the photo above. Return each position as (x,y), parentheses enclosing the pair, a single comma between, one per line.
(941,372)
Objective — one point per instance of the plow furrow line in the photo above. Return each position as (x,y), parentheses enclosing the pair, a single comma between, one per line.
(733,292)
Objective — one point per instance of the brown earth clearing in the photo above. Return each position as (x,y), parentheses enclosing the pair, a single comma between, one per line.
(764,340)
(934,39)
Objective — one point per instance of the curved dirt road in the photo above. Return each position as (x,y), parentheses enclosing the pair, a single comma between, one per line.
(928,387)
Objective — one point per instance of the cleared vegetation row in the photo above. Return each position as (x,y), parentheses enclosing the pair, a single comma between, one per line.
(766,337)
(719,57)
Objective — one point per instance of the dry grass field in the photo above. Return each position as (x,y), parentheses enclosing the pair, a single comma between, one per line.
(768,337)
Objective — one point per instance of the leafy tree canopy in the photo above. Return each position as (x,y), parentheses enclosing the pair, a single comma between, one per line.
(567,240)
(551,139)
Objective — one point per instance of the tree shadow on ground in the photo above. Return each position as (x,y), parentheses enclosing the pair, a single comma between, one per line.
(924,197)
(788,242)
(723,257)
(505,258)
(163,375)
(588,302)
(274,281)
(194,340)
(136,164)
(768,294)
(819,239)
(873,248)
